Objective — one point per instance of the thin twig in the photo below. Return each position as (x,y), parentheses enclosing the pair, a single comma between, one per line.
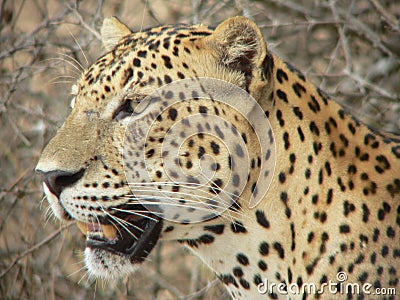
(34,248)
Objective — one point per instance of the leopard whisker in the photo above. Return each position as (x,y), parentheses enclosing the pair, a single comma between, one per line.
(136,213)
(182,184)
(122,223)
(80,48)
(75,69)
(145,198)
(77,64)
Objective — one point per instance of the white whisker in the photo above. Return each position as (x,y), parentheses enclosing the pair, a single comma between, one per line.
(122,223)
(80,48)
(136,213)
(78,65)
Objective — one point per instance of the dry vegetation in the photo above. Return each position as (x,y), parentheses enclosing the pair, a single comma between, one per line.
(350,48)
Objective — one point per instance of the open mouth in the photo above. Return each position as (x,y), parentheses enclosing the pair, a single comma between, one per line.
(131,236)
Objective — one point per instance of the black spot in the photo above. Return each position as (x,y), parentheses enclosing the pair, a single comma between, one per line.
(363,277)
(306,190)
(301,134)
(293,236)
(278,247)
(284,197)
(314,105)
(373,258)
(228,279)
(238,272)
(167,79)
(384,251)
(286,140)
(298,112)
(264,248)
(242,259)
(298,89)
(381,214)
(203,109)
(341,113)
(344,228)
(282,95)
(217,229)
(282,177)
(390,232)
(310,267)
(172,114)
(206,239)
(257,280)
(375,235)
(237,227)
(261,219)
(214,147)
(262,265)
(317,147)
(351,128)
(245,284)
(167,61)
(320,177)
(341,185)
(396,151)
(142,53)
(201,152)
(313,128)
(292,158)
(310,237)
(396,253)
(329,196)
(348,208)
(136,62)
(169,228)
(281,75)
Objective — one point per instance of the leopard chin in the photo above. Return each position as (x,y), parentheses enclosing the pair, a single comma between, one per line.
(106,265)
(113,252)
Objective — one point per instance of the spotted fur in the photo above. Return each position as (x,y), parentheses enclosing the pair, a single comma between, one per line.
(334,201)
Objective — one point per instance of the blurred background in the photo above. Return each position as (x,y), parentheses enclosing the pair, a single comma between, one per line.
(351,49)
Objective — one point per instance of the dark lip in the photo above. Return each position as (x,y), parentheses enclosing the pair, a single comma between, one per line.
(135,244)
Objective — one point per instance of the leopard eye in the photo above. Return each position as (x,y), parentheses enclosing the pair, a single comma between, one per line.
(125,110)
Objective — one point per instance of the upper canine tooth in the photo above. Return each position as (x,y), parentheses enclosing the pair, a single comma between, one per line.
(82,227)
(110,232)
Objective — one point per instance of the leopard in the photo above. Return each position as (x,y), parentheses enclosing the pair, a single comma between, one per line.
(330,210)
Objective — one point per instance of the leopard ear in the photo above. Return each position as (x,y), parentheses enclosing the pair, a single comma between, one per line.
(239,45)
(112,31)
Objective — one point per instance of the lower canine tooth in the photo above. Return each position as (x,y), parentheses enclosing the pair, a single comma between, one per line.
(110,232)
(82,227)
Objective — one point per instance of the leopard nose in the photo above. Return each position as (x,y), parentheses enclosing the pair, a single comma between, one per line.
(58,180)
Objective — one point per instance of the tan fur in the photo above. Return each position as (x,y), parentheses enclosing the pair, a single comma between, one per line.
(333,205)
